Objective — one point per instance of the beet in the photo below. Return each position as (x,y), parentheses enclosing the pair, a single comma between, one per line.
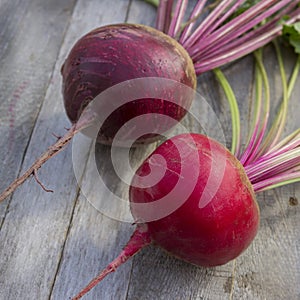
(104,57)
(205,227)
(206,236)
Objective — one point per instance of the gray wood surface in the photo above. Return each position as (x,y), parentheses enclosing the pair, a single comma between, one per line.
(52,244)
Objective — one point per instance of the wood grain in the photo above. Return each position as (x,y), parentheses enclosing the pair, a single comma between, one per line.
(51,245)
(31,33)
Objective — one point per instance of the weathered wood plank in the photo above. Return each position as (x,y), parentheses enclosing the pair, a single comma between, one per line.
(269,269)
(31,33)
(53,244)
(95,239)
(141,12)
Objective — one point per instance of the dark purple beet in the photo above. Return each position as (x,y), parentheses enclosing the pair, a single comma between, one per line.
(116,53)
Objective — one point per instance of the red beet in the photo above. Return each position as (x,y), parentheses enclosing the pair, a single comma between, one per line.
(206,227)
(113,54)
(209,235)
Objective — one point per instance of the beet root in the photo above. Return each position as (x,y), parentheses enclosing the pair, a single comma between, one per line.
(210,224)
(206,235)
(117,53)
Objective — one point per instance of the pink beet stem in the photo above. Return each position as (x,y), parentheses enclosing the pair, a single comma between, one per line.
(177,18)
(139,239)
(194,15)
(163,16)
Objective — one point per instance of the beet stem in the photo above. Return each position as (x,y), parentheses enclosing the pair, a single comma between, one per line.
(58,146)
(198,9)
(177,18)
(163,17)
(139,239)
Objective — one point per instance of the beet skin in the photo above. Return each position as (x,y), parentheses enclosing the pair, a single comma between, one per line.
(205,236)
(113,54)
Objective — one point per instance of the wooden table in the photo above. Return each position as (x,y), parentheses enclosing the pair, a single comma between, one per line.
(52,244)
